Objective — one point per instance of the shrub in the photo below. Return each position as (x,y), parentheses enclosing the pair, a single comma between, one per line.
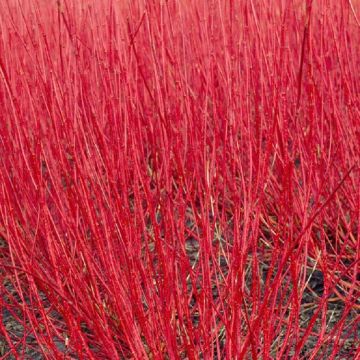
(179,179)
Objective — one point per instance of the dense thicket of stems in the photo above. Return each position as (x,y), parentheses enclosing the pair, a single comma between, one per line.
(179,179)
